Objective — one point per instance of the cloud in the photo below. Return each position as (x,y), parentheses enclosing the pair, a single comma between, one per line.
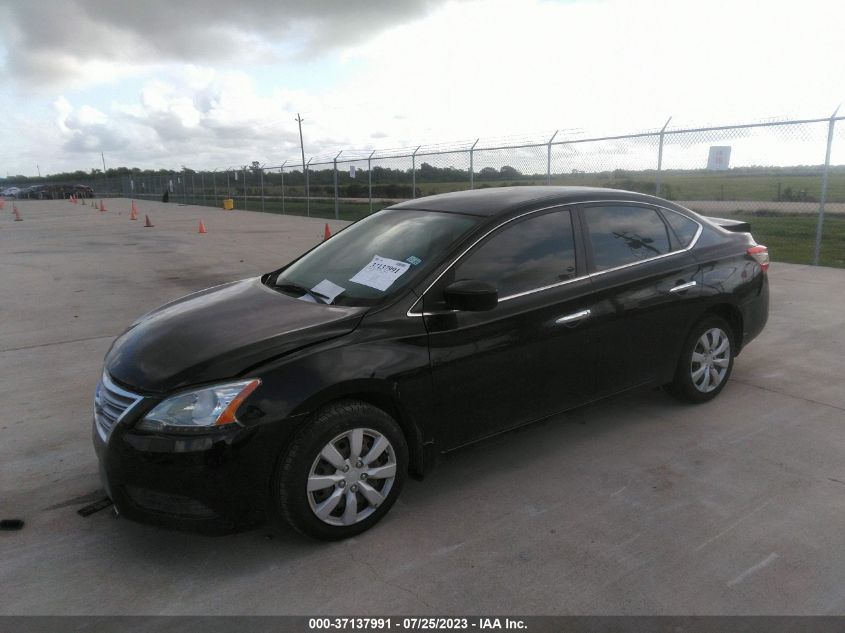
(65,42)
(215,120)
(424,73)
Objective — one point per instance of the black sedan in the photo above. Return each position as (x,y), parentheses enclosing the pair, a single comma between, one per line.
(311,392)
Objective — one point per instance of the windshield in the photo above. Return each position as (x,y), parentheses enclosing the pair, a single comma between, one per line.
(374,257)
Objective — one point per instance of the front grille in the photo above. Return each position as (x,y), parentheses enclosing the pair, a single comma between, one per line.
(167,503)
(111,403)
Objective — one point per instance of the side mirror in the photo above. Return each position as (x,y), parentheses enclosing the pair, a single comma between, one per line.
(471,296)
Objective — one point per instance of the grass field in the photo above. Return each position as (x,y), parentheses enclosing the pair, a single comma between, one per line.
(797,185)
(685,186)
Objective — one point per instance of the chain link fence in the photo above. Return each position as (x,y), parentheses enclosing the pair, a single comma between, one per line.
(765,169)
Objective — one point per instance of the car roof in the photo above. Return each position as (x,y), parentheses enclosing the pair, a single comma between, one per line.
(496,201)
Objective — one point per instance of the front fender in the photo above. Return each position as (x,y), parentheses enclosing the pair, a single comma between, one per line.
(389,371)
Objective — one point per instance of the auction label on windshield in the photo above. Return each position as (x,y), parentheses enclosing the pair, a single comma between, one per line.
(380,273)
(328,289)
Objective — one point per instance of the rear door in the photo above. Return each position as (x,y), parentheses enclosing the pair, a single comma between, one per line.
(528,357)
(647,290)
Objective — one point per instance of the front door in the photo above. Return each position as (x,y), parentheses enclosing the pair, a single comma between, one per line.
(528,357)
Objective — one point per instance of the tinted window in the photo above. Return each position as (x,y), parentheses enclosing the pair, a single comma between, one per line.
(683,227)
(624,235)
(528,254)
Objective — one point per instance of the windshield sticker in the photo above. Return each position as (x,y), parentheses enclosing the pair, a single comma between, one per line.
(380,273)
(414,261)
(328,290)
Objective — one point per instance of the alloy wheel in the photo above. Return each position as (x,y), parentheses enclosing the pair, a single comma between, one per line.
(351,477)
(711,358)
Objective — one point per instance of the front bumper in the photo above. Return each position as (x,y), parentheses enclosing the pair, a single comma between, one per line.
(215,483)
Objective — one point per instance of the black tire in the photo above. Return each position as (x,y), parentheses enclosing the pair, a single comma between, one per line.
(683,386)
(292,499)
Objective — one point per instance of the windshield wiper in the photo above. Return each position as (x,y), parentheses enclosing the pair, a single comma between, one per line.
(293,287)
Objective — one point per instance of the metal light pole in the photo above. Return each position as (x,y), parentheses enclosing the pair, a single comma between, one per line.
(282,171)
(336,201)
(308,189)
(262,187)
(471,165)
(549,159)
(105,175)
(299,119)
(370,178)
(414,172)
(660,158)
(823,197)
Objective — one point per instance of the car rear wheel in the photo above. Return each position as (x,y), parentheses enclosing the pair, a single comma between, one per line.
(342,472)
(706,361)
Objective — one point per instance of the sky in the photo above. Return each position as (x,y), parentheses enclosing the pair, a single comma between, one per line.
(210,84)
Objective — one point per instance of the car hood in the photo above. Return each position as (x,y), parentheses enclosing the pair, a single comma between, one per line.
(218,333)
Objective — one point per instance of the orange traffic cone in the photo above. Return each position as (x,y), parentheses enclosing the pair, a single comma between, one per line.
(202,228)
(102,207)
(14,208)
(327,233)
(2,203)
(18,217)
(133,214)
(134,208)
(147,223)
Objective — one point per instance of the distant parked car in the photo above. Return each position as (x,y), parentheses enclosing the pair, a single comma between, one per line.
(37,192)
(10,192)
(83,191)
(313,391)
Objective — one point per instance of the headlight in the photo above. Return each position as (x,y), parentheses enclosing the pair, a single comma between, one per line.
(199,410)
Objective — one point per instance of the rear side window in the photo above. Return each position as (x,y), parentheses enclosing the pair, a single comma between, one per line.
(684,228)
(525,255)
(625,235)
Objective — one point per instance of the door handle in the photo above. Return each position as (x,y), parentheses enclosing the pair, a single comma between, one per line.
(682,287)
(574,317)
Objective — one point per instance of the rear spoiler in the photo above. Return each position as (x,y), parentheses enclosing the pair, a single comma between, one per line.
(734,226)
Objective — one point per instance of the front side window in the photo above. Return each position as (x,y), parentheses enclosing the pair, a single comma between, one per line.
(524,255)
(374,257)
(625,235)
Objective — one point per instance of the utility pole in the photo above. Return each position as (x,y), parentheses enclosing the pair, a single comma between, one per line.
(298,119)
(39,170)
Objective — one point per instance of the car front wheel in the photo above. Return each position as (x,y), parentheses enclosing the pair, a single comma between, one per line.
(706,361)
(342,472)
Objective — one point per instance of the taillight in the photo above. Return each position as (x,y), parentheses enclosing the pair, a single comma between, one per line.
(761,256)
